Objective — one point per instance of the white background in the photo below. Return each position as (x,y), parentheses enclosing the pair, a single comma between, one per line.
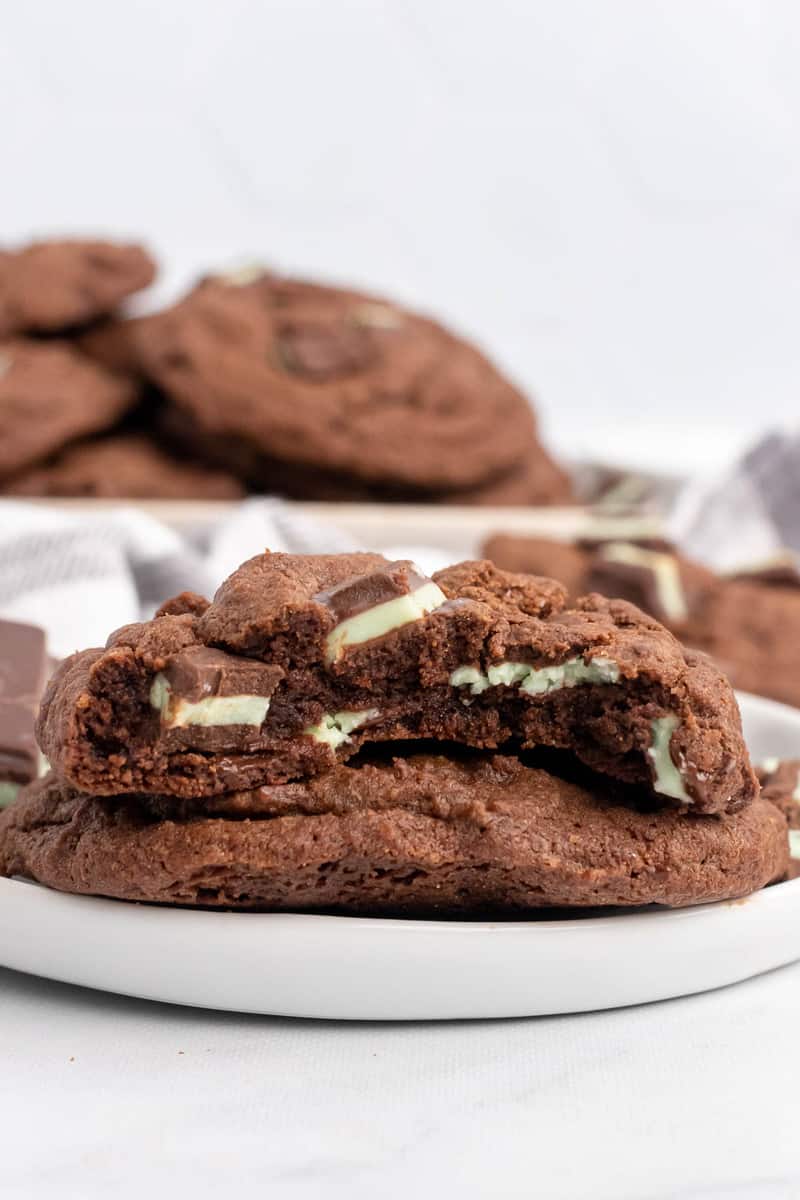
(606,193)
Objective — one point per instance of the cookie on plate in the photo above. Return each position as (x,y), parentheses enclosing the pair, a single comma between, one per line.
(48,287)
(320,392)
(126,465)
(301,660)
(51,394)
(418,836)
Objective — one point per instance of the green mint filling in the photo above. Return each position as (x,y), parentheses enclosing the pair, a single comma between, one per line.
(537,681)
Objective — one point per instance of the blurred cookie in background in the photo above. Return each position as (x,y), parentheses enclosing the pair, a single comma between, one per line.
(780,784)
(565,561)
(126,466)
(539,480)
(752,629)
(49,287)
(748,622)
(23,664)
(114,343)
(50,395)
(323,393)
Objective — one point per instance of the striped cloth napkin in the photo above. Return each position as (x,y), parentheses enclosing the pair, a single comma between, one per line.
(81,575)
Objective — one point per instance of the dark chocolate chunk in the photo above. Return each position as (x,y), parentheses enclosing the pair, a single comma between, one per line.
(356,595)
(198,673)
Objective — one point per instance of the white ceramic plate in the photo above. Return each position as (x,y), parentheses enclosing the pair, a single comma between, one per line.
(359,969)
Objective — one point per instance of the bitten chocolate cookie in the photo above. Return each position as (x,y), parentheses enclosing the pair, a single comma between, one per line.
(51,394)
(316,391)
(131,466)
(423,836)
(51,286)
(299,661)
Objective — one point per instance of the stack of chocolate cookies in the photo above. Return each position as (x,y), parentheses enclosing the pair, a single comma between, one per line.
(341,733)
(252,382)
(70,424)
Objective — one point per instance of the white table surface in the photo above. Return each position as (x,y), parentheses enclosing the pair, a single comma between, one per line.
(102,1096)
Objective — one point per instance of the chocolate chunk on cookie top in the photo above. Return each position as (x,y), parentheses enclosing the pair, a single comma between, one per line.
(301,660)
(418,836)
(51,286)
(376,603)
(309,610)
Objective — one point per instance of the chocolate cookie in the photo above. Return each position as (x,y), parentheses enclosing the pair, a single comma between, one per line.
(51,286)
(753,632)
(420,836)
(131,466)
(299,661)
(114,343)
(537,481)
(51,394)
(648,572)
(314,391)
(564,561)
(749,623)
(780,785)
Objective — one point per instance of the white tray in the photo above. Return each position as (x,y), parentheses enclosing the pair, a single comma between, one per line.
(458,530)
(360,969)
